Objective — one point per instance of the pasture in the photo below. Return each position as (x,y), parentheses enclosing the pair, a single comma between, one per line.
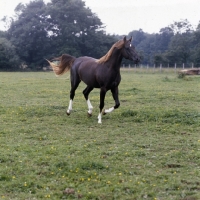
(147,149)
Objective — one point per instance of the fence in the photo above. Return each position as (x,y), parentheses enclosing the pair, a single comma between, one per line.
(160,69)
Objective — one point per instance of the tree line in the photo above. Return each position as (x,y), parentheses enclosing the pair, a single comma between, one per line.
(177,44)
(39,31)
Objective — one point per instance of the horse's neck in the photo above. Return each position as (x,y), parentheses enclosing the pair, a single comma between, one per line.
(115,59)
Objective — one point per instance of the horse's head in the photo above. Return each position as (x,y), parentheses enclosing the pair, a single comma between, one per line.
(129,52)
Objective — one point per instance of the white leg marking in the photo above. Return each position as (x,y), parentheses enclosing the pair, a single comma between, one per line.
(70,107)
(99,118)
(90,107)
(109,110)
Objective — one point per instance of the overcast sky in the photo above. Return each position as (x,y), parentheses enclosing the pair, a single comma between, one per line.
(122,16)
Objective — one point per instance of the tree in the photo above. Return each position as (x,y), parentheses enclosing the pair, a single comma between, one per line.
(74,28)
(182,26)
(138,36)
(62,26)
(180,40)
(196,50)
(28,33)
(8,57)
(180,48)
(151,45)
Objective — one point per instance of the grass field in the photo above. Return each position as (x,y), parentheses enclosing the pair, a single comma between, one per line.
(147,149)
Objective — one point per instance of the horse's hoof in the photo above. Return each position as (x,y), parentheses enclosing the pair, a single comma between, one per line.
(89,114)
(99,122)
(67,113)
(104,113)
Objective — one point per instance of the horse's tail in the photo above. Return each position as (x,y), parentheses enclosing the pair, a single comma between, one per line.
(62,64)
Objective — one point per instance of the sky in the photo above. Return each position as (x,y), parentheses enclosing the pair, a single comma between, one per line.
(123,16)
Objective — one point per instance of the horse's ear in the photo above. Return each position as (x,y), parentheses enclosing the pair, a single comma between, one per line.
(124,38)
(131,38)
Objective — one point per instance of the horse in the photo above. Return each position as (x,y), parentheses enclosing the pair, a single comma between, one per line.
(103,73)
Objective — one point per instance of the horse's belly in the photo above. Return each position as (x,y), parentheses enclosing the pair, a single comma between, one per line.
(91,82)
(89,78)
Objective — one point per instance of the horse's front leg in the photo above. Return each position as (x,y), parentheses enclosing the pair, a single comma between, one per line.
(102,98)
(115,94)
(69,107)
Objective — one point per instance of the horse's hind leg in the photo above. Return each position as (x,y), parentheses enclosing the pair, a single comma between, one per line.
(74,84)
(86,92)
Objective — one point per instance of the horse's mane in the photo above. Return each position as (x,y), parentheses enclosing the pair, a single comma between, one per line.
(106,57)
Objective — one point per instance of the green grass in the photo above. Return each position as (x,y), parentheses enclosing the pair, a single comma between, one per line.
(149,148)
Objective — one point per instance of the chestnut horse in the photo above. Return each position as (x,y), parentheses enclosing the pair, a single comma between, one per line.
(103,73)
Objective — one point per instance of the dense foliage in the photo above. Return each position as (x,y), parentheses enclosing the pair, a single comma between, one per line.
(42,30)
(178,43)
(39,31)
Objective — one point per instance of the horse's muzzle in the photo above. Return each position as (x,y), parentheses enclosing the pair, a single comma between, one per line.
(137,60)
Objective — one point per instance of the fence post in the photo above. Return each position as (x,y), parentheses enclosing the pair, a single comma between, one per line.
(160,68)
(183,65)
(129,66)
(192,65)
(175,68)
